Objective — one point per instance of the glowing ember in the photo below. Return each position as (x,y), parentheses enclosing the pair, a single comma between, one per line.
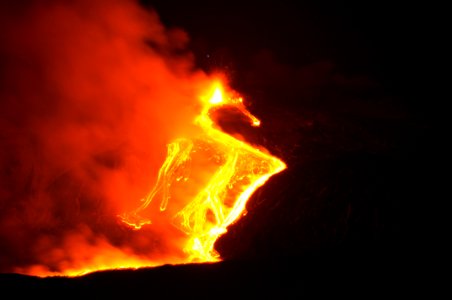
(238,170)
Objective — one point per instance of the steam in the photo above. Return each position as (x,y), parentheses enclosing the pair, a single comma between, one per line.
(90,94)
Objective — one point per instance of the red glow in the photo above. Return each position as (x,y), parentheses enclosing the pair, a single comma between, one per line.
(89,110)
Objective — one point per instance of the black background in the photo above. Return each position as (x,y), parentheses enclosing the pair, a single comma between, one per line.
(340,87)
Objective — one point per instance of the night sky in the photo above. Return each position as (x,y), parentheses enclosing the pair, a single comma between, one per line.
(340,89)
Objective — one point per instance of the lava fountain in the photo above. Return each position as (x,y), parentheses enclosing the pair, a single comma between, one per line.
(238,169)
(110,152)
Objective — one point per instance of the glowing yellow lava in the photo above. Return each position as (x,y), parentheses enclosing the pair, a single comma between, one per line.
(239,170)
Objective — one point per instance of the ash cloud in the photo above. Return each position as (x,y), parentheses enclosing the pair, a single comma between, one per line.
(90,94)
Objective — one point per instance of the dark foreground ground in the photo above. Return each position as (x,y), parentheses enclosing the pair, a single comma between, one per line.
(319,275)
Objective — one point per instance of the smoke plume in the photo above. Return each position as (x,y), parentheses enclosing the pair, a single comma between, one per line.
(90,93)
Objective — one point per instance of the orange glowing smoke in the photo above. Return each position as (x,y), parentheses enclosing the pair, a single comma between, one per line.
(101,106)
(238,170)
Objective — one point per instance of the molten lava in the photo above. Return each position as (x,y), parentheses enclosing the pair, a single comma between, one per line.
(202,187)
(236,169)
(92,92)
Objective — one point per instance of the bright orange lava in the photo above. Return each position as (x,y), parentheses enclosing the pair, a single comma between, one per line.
(202,187)
(239,170)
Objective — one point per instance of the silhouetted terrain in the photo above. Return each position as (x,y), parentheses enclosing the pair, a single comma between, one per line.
(332,274)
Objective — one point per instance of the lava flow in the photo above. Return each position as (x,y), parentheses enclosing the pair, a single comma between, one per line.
(237,168)
(110,152)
